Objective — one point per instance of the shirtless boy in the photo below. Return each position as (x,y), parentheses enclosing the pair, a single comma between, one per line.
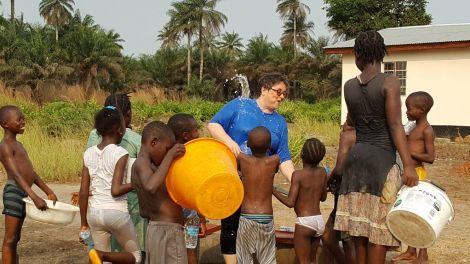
(165,237)
(307,189)
(185,128)
(256,228)
(21,177)
(421,144)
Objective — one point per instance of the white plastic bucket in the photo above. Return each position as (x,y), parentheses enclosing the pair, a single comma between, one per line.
(419,214)
(60,213)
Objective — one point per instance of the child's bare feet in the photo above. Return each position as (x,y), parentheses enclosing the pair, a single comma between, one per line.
(422,257)
(406,256)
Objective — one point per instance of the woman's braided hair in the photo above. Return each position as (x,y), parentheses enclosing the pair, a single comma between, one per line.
(370,47)
(119,100)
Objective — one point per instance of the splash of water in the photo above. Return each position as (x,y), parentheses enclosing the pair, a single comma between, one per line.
(243,83)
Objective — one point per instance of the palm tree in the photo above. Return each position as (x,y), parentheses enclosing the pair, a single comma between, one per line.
(297,30)
(315,47)
(209,22)
(292,8)
(231,43)
(56,13)
(94,53)
(181,23)
(12,10)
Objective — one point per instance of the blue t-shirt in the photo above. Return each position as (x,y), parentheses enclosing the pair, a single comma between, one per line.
(239,116)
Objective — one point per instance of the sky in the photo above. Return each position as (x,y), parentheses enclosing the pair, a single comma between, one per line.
(139,21)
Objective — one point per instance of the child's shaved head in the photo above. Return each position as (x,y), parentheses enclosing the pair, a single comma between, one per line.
(5,112)
(181,123)
(313,151)
(156,129)
(422,100)
(259,139)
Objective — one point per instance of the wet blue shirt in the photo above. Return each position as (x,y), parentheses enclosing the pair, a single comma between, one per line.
(239,116)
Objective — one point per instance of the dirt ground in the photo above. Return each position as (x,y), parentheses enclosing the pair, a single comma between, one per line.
(41,243)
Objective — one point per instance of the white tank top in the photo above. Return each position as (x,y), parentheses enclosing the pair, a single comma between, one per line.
(101,165)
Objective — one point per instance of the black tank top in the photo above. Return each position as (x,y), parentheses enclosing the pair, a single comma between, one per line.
(366,107)
(373,155)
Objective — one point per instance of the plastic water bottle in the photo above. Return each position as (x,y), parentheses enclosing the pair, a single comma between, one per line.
(191,230)
(88,240)
(409,126)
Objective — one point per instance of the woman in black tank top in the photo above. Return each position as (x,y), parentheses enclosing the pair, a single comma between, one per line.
(371,179)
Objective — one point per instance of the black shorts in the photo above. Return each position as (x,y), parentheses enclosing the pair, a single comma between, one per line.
(228,233)
(13,204)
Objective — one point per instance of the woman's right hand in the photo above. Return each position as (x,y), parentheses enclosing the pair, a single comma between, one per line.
(410,178)
(234,147)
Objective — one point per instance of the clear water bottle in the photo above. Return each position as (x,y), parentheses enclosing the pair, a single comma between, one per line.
(409,126)
(87,239)
(191,230)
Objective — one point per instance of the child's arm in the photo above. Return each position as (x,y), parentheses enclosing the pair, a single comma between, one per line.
(429,155)
(11,169)
(84,193)
(155,181)
(50,194)
(117,187)
(393,114)
(290,199)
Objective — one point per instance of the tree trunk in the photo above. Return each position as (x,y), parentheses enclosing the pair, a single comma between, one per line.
(12,10)
(201,52)
(57,33)
(295,35)
(189,58)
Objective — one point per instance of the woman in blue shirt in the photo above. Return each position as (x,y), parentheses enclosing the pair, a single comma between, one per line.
(232,124)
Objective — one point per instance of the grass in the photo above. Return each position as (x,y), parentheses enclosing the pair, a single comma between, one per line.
(57,159)
(56,132)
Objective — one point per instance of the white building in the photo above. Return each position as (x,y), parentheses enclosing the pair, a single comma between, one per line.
(433,58)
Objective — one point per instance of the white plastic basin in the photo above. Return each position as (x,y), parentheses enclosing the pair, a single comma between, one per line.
(60,213)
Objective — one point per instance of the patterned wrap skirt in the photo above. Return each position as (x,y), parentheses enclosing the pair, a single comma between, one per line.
(362,214)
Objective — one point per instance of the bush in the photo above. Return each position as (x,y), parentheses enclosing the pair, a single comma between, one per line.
(60,117)
(204,89)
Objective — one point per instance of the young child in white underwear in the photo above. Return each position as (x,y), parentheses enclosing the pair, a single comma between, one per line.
(307,189)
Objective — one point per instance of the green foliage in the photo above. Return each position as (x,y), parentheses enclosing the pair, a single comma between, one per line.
(303,31)
(231,43)
(165,66)
(204,88)
(91,57)
(349,17)
(56,13)
(59,118)
(258,50)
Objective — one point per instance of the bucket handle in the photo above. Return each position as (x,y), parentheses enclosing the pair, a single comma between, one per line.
(437,185)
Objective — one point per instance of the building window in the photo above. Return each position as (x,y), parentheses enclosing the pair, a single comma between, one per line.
(398,68)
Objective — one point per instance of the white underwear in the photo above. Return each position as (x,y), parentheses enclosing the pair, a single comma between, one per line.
(314,222)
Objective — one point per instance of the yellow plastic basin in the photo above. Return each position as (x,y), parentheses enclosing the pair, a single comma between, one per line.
(205,179)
